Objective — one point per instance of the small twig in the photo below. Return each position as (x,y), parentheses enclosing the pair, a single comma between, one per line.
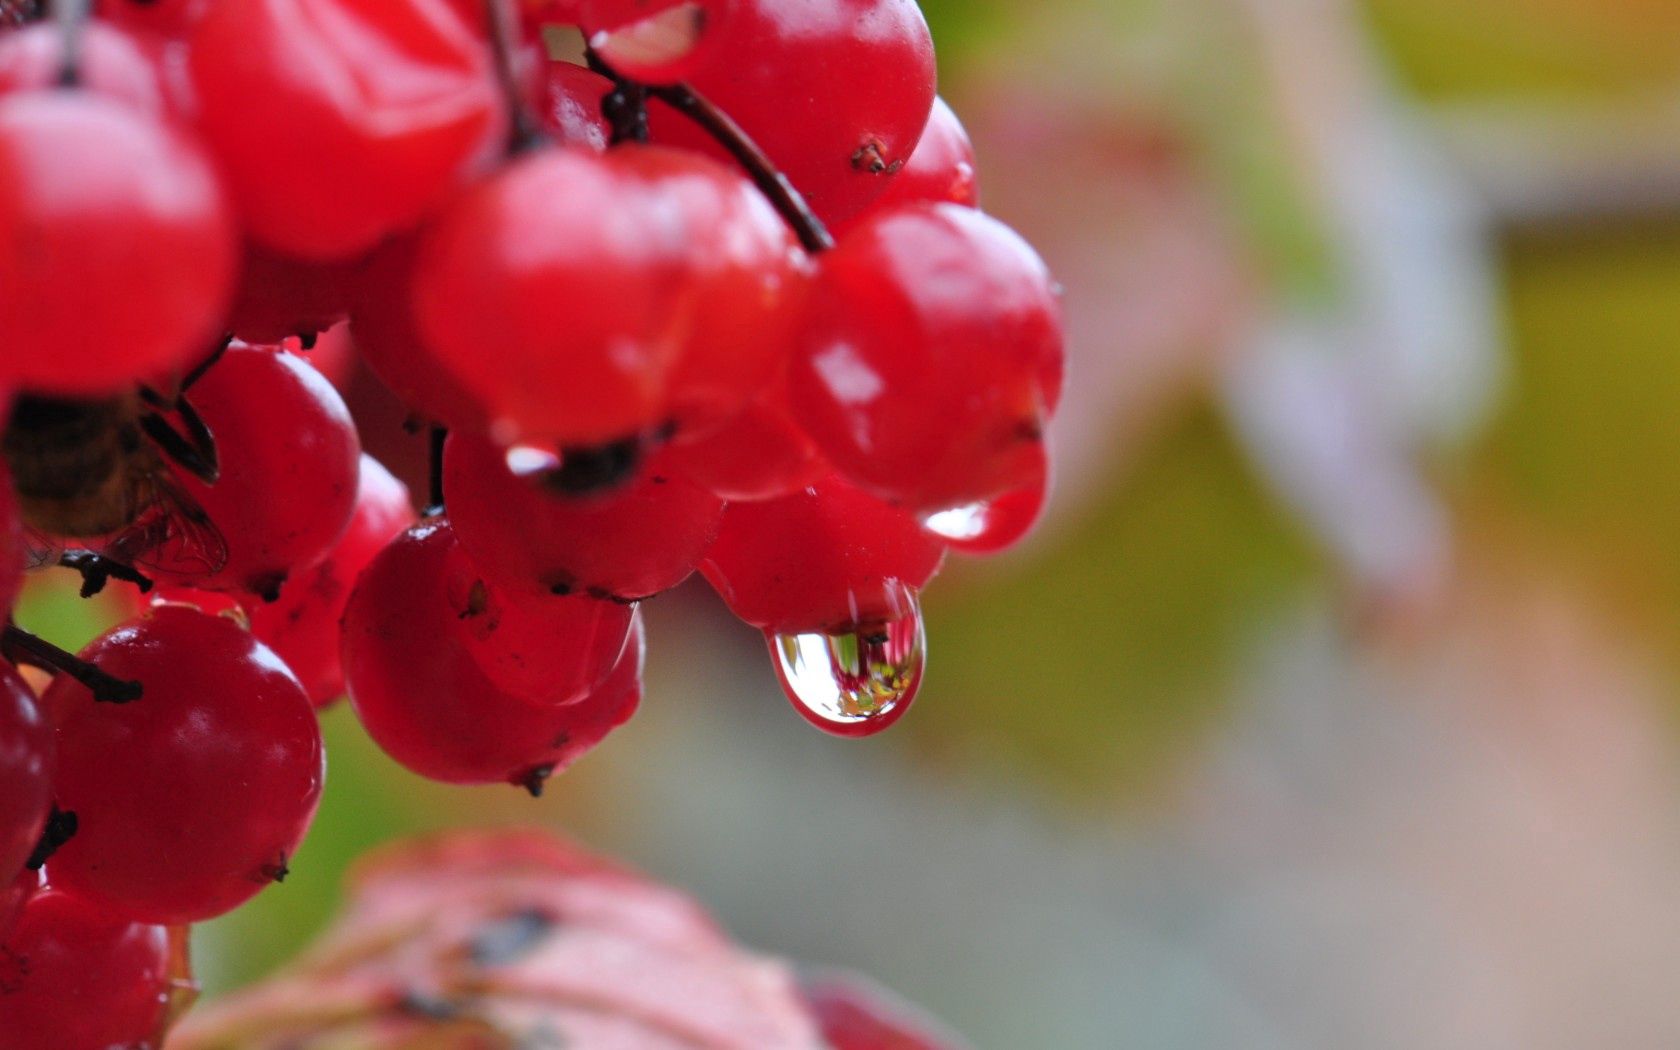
(60,828)
(434,497)
(98,570)
(523,130)
(39,652)
(72,16)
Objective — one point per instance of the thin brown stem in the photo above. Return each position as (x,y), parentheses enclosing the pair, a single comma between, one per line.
(523,132)
(38,652)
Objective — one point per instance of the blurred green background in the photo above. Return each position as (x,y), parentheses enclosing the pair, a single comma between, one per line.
(1333,703)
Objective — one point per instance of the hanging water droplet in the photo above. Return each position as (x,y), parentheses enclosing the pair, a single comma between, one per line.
(856,683)
(996,524)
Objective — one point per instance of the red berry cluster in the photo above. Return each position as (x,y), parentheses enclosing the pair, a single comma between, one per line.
(588,243)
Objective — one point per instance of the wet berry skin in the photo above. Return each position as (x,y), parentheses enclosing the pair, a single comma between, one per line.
(75,977)
(193,797)
(112,64)
(27,760)
(302,627)
(932,357)
(827,559)
(628,543)
(340,122)
(427,702)
(95,195)
(289,457)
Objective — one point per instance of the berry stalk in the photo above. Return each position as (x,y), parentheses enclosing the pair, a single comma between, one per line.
(39,652)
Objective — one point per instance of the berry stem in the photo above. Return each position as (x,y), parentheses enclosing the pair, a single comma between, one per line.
(98,570)
(61,828)
(523,132)
(41,653)
(626,105)
(72,15)
(434,496)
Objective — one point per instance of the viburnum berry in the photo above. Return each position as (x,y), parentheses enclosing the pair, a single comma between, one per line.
(428,703)
(570,106)
(192,798)
(169,18)
(109,63)
(289,461)
(340,122)
(280,296)
(942,168)
(865,71)
(302,626)
(931,358)
(76,977)
(998,523)
(565,290)
(827,559)
(28,758)
(116,246)
(382,327)
(629,543)
(14,895)
(760,453)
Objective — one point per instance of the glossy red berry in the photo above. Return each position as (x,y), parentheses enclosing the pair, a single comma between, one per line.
(279,296)
(192,798)
(111,63)
(629,543)
(865,71)
(302,626)
(96,196)
(289,460)
(14,895)
(75,977)
(932,357)
(827,559)
(564,291)
(27,761)
(340,122)
(383,329)
(996,524)
(428,703)
(570,107)
(760,453)
(941,169)
(169,18)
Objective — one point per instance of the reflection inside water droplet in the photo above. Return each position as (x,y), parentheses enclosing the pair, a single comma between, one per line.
(855,683)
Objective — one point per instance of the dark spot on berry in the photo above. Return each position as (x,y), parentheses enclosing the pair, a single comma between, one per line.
(478,600)
(307,340)
(561,589)
(533,779)
(871,159)
(61,828)
(275,872)
(14,968)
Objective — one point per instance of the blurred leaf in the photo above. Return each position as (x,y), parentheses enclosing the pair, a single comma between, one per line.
(1101,659)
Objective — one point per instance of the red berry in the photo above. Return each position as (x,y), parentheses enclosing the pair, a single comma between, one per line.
(998,523)
(382,326)
(658,41)
(192,798)
(340,122)
(564,291)
(170,18)
(74,977)
(279,296)
(932,357)
(760,453)
(116,248)
(303,625)
(13,896)
(27,760)
(629,543)
(543,649)
(865,72)
(428,703)
(289,458)
(828,559)
(570,107)
(110,64)
(941,169)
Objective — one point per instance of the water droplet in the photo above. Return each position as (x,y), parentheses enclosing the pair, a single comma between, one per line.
(986,528)
(856,683)
(529,460)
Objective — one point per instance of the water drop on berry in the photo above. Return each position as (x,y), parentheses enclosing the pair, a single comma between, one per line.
(857,682)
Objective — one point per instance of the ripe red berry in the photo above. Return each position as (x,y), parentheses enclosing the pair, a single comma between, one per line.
(27,761)
(629,543)
(75,977)
(570,107)
(865,72)
(932,357)
(564,291)
(546,650)
(13,896)
(279,296)
(760,453)
(941,169)
(169,18)
(996,524)
(382,327)
(289,459)
(340,122)
(828,559)
(116,248)
(302,627)
(192,798)
(111,63)
(428,703)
